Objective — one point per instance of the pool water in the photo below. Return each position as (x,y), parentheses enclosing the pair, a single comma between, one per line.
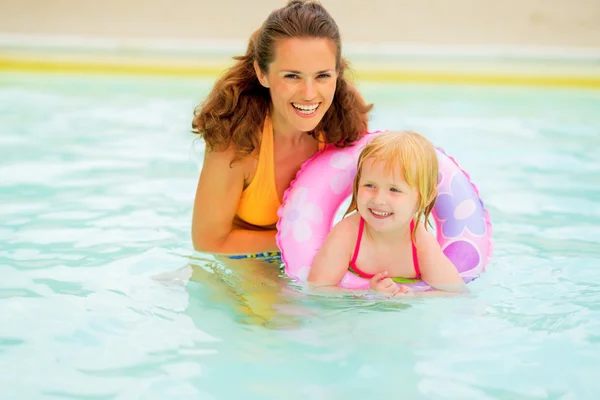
(101,296)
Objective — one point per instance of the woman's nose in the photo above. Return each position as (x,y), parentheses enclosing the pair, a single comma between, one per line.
(309,92)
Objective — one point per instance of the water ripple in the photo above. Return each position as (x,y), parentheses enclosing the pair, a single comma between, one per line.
(97,182)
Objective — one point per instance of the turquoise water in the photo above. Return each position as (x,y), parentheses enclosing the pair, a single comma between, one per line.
(101,296)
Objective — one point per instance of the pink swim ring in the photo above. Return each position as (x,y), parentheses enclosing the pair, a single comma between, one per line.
(324,182)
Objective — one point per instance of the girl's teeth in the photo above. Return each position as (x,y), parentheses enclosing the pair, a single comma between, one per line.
(380,213)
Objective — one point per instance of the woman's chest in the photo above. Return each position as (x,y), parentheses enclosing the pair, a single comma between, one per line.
(287,162)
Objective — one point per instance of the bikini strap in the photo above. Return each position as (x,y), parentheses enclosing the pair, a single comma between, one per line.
(361,226)
(414,250)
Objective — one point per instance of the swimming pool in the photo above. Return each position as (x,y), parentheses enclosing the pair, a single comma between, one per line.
(101,296)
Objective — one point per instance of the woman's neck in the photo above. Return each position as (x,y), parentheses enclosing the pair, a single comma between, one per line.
(283,132)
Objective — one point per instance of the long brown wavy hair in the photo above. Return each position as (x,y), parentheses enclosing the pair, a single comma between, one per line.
(235,109)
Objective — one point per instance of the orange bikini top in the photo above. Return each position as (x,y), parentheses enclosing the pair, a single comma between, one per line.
(259,201)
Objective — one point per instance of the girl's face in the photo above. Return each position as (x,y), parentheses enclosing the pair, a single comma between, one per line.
(385,200)
(302,81)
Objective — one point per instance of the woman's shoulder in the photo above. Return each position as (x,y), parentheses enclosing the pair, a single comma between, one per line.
(222,154)
(226,158)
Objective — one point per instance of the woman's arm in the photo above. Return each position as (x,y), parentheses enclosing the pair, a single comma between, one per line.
(217,197)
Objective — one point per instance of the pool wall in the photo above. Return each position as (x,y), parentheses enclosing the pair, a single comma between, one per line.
(524,42)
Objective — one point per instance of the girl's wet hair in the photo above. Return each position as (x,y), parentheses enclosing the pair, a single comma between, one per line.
(235,109)
(413,155)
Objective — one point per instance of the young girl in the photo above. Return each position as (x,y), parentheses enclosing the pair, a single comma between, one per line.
(387,240)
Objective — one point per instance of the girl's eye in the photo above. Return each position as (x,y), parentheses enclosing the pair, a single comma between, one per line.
(369,185)
(323,76)
(395,190)
(291,76)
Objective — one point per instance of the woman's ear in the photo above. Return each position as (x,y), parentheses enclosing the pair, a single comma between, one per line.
(262,78)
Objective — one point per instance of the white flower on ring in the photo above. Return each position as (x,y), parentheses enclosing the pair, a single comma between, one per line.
(347,170)
(298,215)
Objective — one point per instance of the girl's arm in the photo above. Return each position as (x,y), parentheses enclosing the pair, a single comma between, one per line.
(333,258)
(219,190)
(436,269)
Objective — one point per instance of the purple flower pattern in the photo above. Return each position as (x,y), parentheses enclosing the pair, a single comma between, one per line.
(459,209)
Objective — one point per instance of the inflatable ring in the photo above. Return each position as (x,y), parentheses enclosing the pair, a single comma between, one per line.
(462,224)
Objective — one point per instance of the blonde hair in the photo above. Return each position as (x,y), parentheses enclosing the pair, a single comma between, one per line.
(416,157)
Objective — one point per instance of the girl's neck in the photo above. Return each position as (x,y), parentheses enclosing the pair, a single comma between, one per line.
(391,238)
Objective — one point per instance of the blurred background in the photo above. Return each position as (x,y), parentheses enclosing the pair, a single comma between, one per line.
(102,296)
(398,40)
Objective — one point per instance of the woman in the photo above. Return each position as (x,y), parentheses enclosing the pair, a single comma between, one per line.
(281,102)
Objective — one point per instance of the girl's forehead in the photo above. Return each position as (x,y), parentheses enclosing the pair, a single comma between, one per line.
(381,166)
(372,168)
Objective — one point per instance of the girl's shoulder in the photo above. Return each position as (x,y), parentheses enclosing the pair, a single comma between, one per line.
(351,221)
(424,238)
(347,228)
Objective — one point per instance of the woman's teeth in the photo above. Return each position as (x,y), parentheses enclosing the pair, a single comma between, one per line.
(306,109)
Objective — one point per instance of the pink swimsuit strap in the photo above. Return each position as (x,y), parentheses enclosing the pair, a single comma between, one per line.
(362,274)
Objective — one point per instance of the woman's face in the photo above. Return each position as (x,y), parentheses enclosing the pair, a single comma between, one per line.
(302,81)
